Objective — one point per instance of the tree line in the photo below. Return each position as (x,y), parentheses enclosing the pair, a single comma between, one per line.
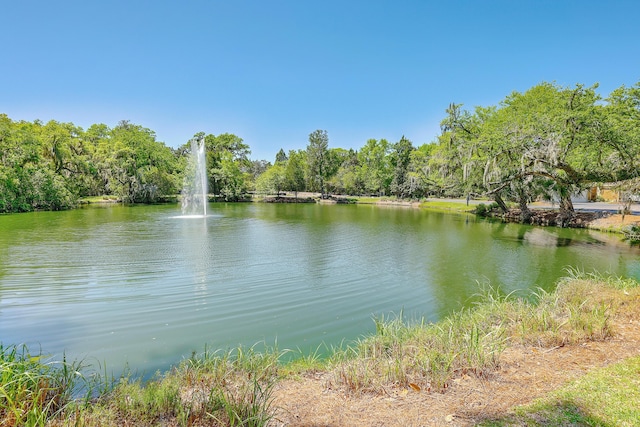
(51,166)
(548,142)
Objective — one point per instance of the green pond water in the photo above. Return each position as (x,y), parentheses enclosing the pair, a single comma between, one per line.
(141,287)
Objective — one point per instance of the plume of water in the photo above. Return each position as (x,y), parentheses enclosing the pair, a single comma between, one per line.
(194,188)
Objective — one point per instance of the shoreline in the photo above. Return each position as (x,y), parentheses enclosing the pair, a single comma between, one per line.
(491,377)
(596,216)
(320,392)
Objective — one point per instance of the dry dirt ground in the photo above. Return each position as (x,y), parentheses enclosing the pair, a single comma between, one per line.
(525,373)
(614,222)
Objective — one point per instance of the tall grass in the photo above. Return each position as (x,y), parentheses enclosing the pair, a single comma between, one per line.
(418,355)
(33,390)
(232,388)
(470,341)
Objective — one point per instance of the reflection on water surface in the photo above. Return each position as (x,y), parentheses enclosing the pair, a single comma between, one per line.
(139,285)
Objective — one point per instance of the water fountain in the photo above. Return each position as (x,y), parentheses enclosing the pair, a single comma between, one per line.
(194,188)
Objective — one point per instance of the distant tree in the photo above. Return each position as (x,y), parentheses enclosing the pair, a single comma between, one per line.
(373,167)
(228,164)
(140,169)
(545,138)
(400,159)
(546,142)
(419,183)
(621,133)
(230,180)
(256,168)
(281,156)
(343,173)
(318,160)
(273,180)
(28,180)
(295,171)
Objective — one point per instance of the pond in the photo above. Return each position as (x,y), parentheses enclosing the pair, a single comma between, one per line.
(141,287)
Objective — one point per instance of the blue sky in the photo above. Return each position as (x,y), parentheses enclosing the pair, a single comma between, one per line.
(272,72)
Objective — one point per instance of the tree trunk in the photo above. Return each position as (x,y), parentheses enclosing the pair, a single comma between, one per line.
(566,205)
(501,204)
(525,213)
(566,211)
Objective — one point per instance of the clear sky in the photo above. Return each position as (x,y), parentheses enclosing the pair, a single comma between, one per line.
(272,72)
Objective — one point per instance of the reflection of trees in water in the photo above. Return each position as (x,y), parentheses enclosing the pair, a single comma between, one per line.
(542,237)
(545,237)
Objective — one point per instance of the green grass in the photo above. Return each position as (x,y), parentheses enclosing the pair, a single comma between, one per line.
(447,206)
(230,388)
(442,206)
(370,200)
(33,390)
(604,397)
(418,355)
(98,199)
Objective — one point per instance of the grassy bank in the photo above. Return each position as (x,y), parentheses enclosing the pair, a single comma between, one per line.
(448,206)
(603,397)
(434,205)
(238,387)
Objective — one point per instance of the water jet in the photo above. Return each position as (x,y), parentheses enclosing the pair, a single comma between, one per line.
(195,189)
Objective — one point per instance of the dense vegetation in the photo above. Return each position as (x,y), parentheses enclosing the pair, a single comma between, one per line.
(51,166)
(548,142)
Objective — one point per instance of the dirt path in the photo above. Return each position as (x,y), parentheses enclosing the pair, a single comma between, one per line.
(525,374)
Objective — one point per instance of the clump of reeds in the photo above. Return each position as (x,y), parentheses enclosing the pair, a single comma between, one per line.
(33,390)
(418,355)
(232,388)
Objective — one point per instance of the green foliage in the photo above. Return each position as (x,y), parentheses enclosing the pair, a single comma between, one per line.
(485,210)
(374,167)
(295,179)
(51,166)
(481,210)
(604,397)
(343,172)
(281,156)
(273,180)
(228,165)
(233,388)
(139,168)
(318,160)
(33,391)
(230,181)
(400,159)
(547,142)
